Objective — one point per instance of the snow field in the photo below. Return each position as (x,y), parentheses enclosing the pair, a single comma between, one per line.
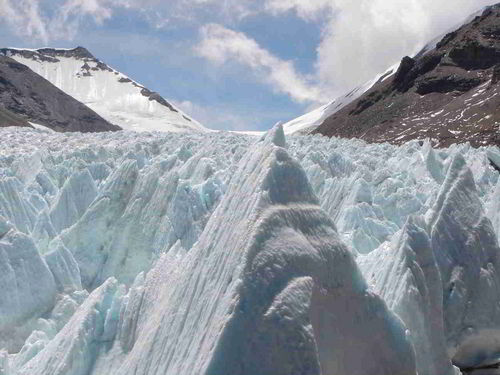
(111,94)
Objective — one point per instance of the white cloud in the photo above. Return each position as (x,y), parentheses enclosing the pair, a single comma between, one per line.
(98,10)
(30,18)
(24,16)
(220,45)
(66,22)
(219,117)
(47,20)
(310,9)
(359,38)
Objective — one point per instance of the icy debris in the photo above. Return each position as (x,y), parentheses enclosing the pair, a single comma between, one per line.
(45,329)
(204,232)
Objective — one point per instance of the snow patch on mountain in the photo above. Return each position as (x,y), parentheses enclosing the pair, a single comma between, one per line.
(111,94)
(315,118)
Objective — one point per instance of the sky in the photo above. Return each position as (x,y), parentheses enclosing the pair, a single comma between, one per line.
(238,64)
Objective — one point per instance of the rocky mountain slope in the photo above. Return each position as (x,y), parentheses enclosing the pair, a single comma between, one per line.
(311,120)
(449,93)
(25,96)
(111,94)
(7,118)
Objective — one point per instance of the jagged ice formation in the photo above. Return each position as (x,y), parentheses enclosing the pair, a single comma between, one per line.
(224,254)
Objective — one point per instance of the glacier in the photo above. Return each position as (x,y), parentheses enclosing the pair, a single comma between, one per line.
(221,253)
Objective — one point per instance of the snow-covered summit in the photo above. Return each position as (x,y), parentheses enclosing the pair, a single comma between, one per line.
(113,95)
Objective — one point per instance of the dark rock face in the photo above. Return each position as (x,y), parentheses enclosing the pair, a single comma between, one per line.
(404,69)
(55,54)
(495,77)
(410,69)
(158,98)
(30,97)
(444,84)
(49,54)
(474,55)
(442,94)
(7,118)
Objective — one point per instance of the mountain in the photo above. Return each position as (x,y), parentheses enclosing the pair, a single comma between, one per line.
(313,119)
(449,93)
(111,94)
(25,96)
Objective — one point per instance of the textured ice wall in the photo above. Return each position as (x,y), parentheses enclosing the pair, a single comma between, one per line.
(149,198)
(268,288)
(467,254)
(405,274)
(27,285)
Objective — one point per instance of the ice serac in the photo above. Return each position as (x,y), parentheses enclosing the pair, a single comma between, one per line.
(14,206)
(27,285)
(90,238)
(466,250)
(494,209)
(142,209)
(74,349)
(405,274)
(76,195)
(64,268)
(268,289)
(493,206)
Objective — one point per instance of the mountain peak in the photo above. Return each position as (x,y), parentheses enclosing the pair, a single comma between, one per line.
(78,52)
(25,96)
(48,54)
(111,94)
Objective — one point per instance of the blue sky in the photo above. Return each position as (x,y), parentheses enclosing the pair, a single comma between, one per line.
(238,64)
